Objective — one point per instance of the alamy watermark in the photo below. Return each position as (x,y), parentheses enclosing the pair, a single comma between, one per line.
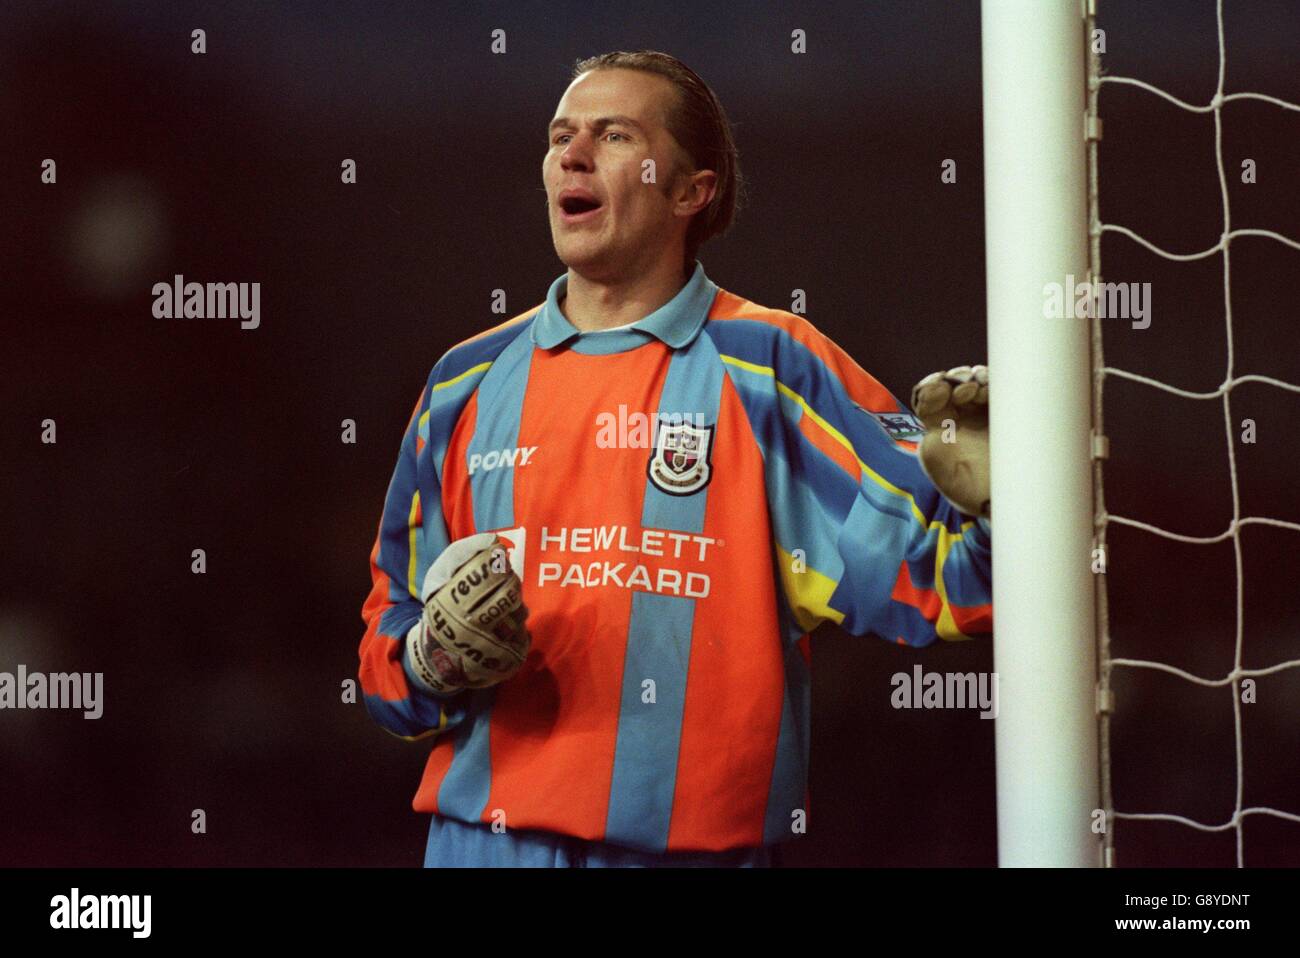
(75,911)
(946,690)
(624,429)
(1071,300)
(181,300)
(55,690)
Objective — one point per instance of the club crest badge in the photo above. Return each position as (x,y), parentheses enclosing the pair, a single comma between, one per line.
(679,464)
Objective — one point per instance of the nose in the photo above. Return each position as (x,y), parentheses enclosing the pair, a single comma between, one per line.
(577,154)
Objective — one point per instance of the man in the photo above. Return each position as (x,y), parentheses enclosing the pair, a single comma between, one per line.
(688,483)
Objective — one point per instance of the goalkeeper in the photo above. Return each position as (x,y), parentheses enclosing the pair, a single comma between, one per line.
(617,517)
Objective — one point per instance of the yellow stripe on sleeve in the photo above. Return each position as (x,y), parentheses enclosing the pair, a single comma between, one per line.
(412,551)
(809,593)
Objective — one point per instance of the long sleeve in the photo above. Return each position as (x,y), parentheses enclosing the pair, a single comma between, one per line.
(412,533)
(862,537)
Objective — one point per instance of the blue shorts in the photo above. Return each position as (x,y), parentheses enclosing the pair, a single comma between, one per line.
(456,844)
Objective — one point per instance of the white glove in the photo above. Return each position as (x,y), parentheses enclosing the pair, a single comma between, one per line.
(954,407)
(472,633)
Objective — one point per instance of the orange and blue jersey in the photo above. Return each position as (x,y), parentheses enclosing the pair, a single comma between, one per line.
(687,499)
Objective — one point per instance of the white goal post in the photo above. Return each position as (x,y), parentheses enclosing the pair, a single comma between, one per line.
(1036,233)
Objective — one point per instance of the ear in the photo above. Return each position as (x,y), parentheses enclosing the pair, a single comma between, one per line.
(694,192)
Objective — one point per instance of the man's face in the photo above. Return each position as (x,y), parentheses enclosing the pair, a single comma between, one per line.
(605,221)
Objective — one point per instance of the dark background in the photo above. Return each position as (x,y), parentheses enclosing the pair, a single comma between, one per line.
(222,691)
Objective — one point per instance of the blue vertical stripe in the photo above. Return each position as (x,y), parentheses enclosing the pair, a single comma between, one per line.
(464,791)
(691,393)
(660,631)
(496,435)
(790,772)
(649,732)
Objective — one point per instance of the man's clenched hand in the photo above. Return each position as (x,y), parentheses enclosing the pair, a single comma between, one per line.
(953,406)
(473,633)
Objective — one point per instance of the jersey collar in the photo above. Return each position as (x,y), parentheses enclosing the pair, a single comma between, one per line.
(676,322)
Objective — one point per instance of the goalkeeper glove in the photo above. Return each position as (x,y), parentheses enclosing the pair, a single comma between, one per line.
(472,633)
(953,406)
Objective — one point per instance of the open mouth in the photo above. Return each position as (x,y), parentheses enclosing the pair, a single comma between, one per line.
(575,207)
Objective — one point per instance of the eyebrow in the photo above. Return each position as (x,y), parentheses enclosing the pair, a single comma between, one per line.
(599,123)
